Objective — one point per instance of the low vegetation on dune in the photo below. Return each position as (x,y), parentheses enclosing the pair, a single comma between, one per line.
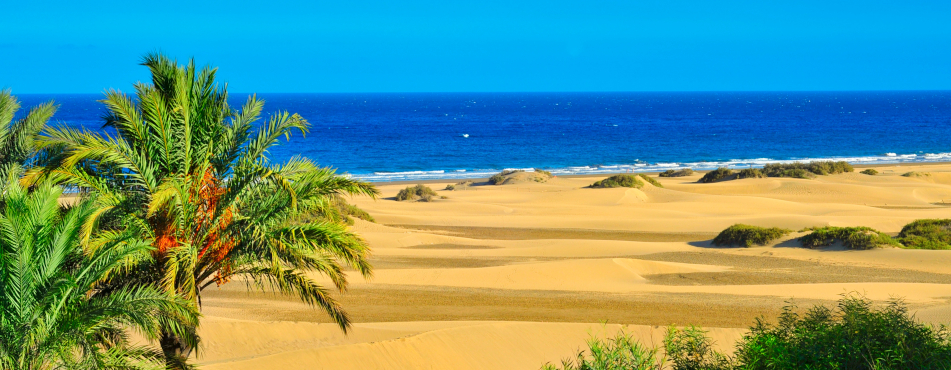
(676,173)
(851,237)
(797,170)
(926,234)
(618,181)
(750,173)
(829,167)
(916,174)
(807,170)
(349,212)
(748,235)
(651,180)
(718,174)
(419,192)
(462,185)
(517,176)
(499,178)
(786,170)
(339,210)
(870,171)
(621,351)
(855,335)
(816,167)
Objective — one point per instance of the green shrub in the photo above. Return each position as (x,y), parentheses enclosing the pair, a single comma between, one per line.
(499,178)
(870,171)
(463,185)
(651,180)
(829,167)
(797,173)
(622,352)
(338,210)
(750,173)
(854,335)
(748,235)
(690,349)
(619,180)
(718,174)
(543,172)
(806,170)
(419,192)
(916,174)
(677,173)
(794,170)
(350,210)
(851,237)
(926,234)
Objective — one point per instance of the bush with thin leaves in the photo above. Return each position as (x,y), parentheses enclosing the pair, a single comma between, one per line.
(796,173)
(870,172)
(748,235)
(676,173)
(926,234)
(419,192)
(718,174)
(851,237)
(854,335)
(621,352)
(750,173)
(916,174)
(690,349)
(651,180)
(807,170)
(619,181)
(339,211)
(500,177)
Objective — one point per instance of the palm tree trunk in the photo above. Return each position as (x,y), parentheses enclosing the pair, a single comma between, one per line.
(176,351)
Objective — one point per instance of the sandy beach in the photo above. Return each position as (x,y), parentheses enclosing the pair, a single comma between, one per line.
(512,276)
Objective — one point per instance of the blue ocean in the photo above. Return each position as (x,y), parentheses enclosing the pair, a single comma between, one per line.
(408,136)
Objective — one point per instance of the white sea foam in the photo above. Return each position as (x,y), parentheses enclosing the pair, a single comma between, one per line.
(650,167)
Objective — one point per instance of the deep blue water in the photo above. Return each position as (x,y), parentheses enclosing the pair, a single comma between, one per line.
(404,136)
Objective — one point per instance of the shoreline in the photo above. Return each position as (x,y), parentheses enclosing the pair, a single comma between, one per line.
(442,180)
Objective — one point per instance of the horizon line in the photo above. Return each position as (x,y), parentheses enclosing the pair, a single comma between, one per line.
(527,92)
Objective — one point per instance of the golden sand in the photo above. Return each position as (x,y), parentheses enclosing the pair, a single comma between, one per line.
(511,276)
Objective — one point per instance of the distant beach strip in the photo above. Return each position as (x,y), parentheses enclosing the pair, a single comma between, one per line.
(887,158)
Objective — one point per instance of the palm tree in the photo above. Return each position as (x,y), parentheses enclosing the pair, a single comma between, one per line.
(192,176)
(58,306)
(17,138)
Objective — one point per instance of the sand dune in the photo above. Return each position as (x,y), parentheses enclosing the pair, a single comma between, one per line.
(456,345)
(508,277)
(613,275)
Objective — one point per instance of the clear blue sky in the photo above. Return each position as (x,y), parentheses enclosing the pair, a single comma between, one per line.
(485,45)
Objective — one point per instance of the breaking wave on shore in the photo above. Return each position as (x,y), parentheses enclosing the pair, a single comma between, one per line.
(887,158)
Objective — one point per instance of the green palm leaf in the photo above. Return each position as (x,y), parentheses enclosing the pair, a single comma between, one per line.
(59,306)
(190,176)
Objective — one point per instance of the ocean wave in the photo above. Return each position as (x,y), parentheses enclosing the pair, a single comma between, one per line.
(885,158)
